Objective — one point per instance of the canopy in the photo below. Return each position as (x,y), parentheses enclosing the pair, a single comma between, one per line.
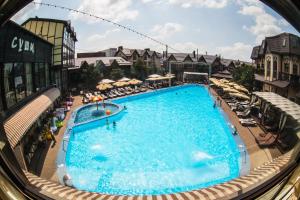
(239,96)
(154,76)
(135,82)
(106,81)
(124,79)
(19,123)
(161,78)
(230,90)
(120,84)
(103,86)
(285,105)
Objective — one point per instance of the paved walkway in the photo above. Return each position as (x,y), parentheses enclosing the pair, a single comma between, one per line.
(257,155)
(49,166)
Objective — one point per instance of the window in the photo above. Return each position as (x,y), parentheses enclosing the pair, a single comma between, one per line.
(36,77)
(42,75)
(284,42)
(274,68)
(29,86)
(295,69)
(286,68)
(47,74)
(9,85)
(1,104)
(19,79)
(268,67)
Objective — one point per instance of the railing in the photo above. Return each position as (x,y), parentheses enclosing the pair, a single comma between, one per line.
(260,71)
(284,76)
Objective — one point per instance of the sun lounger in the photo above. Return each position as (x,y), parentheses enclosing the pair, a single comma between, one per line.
(243,114)
(248,122)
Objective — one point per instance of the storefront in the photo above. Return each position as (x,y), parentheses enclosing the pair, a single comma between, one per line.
(28,94)
(25,63)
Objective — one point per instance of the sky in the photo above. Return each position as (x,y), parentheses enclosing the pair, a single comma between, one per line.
(230,28)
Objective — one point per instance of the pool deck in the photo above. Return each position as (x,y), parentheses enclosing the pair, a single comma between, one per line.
(257,155)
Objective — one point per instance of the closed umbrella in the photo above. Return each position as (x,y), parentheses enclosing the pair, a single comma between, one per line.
(230,90)
(240,96)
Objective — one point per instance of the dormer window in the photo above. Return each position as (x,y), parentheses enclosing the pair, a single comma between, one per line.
(284,42)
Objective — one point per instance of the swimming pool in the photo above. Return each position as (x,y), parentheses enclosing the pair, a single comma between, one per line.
(167,141)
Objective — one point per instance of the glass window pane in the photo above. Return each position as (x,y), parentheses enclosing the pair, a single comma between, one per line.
(29,85)
(47,74)
(36,77)
(42,75)
(9,85)
(19,81)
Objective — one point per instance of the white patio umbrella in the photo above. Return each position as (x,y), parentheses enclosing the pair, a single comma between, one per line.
(124,79)
(154,76)
(107,81)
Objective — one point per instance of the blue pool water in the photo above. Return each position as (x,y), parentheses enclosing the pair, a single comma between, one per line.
(165,142)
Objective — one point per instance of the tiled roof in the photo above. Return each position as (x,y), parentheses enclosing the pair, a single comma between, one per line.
(254,54)
(106,60)
(284,43)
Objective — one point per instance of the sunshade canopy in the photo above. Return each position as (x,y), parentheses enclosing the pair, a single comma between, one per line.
(285,105)
(124,79)
(18,124)
(106,81)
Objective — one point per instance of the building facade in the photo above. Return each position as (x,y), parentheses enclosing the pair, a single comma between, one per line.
(191,62)
(106,64)
(25,63)
(151,59)
(27,89)
(62,35)
(277,63)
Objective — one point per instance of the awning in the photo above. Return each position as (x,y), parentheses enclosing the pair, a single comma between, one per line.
(219,75)
(19,123)
(277,83)
(285,105)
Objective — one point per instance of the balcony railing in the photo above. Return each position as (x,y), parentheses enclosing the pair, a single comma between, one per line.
(260,71)
(284,76)
(293,79)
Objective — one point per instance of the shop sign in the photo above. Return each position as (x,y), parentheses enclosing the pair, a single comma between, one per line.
(22,45)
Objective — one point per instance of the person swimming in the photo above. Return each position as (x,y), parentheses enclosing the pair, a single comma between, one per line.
(215,104)
(114,124)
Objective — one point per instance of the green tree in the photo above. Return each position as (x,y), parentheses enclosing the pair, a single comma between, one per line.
(116,73)
(244,75)
(139,70)
(90,75)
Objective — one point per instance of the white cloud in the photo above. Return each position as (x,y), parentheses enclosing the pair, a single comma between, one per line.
(23,14)
(265,24)
(200,3)
(238,50)
(115,10)
(188,47)
(166,30)
(97,37)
